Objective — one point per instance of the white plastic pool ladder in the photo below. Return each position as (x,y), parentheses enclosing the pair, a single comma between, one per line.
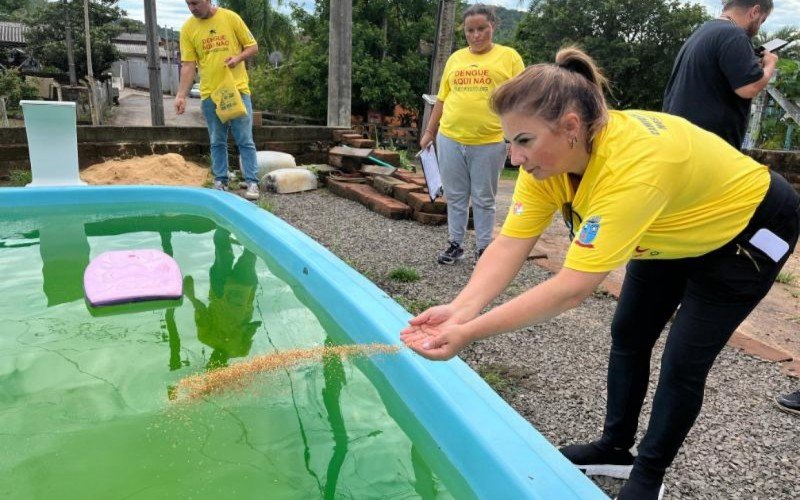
(52,133)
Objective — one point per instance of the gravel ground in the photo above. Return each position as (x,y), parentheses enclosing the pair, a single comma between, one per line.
(554,373)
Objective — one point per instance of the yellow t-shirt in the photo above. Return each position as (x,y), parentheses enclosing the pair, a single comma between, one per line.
(467,82)
(208,42)
(656,187)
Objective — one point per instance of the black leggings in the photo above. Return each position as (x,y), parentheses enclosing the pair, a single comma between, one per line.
(715,292)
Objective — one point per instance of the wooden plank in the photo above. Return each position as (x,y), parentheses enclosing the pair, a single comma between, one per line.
(350,152)
(377,169)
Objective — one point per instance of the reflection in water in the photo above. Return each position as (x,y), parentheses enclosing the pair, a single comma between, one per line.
(333,371)
(65,255)
(225,323)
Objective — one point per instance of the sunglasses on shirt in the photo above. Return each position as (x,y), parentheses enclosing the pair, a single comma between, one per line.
(569,216)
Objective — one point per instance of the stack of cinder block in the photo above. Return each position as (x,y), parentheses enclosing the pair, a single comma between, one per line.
(392,192)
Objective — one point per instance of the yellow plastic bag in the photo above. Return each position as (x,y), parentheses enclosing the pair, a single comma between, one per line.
(226,96)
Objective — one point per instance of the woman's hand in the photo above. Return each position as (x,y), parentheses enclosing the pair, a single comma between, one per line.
(437,343)
(435,334)
(426,139)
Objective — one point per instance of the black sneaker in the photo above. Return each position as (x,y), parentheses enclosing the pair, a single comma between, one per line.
(789,402)
(596,460)
(478,254)
(453,254)
(638,490)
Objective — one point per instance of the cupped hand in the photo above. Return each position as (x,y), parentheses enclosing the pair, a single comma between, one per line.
(231,61)
(437,343)
(434,333)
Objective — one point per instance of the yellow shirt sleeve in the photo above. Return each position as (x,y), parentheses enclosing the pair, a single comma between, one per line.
(532,207)
(188,53)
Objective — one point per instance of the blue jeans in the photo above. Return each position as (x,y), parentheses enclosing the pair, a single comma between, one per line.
(242,129)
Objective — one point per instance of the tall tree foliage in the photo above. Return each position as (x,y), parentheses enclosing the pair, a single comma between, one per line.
(775,124)
(272,30)
(47,28)
(388,68)
(634,41)
(18,10)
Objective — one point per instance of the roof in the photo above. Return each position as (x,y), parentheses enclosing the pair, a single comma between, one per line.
(12,33)
(131,38)
(134,49)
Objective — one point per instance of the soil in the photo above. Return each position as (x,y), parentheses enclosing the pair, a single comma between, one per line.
(169,170)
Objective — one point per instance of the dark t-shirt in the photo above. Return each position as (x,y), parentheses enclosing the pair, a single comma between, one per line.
(717,59)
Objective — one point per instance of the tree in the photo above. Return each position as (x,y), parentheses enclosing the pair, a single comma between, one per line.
(777,130)
(388,68)
(634,41)
(17,10)
(46,28)
(271,29)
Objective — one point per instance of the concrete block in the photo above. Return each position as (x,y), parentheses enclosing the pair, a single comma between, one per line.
(421,202)
(401,191)
(429,219)
(360,143)
(390,157)
(385,184)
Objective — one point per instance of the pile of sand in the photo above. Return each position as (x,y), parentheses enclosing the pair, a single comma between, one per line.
(169,169)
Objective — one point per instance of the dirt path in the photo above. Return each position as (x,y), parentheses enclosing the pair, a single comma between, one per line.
(771,332)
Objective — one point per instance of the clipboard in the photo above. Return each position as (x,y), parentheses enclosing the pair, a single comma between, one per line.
(430,168)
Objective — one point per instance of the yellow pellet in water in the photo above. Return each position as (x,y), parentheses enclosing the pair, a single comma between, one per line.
(239,375)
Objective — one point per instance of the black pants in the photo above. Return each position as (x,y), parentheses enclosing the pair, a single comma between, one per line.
(715,292)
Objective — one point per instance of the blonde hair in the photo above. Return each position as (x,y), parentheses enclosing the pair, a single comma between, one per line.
(548,91)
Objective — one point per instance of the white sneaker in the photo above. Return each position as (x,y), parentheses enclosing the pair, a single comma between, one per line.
(252,192)
(220,186)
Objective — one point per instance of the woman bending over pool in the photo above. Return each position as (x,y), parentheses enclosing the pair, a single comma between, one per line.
(704,231)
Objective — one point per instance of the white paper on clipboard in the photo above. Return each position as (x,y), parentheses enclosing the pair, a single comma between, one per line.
(430,167)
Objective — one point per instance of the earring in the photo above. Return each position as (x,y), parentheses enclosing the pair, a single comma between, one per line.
(572,142)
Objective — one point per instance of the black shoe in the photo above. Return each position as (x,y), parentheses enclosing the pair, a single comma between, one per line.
(596,460)
(638,490)
(453,254)
(789,402)
(478,254)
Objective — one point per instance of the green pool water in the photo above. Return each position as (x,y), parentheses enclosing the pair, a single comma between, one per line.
(85,408)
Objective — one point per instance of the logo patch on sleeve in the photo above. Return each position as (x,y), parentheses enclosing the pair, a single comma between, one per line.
(518,208)
(589,231)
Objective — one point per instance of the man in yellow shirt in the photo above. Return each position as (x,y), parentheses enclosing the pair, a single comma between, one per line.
(216,41)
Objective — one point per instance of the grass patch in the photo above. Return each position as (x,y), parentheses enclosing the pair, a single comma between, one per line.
(495,376)
(414,306)
(404,274)
(786,278)
(266,204)
(509,174)
(19,177)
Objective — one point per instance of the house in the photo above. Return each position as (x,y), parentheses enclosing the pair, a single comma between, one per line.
(132,66)
(12,47)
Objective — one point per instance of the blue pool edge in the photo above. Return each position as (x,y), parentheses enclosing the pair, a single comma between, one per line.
(498,452)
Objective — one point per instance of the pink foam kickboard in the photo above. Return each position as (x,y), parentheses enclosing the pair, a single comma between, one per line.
(131,276)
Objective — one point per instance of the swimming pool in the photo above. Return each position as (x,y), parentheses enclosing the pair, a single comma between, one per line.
(456,437)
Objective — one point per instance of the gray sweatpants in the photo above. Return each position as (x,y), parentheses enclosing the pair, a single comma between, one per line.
(470,172)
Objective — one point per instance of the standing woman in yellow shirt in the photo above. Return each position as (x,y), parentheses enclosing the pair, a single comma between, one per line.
(469,143)
(699,224)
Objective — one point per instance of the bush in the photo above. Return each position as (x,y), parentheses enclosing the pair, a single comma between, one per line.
(14,89)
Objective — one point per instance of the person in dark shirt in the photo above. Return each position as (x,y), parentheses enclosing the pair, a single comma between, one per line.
(717,71)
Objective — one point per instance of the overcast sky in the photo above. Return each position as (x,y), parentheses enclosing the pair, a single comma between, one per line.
(173,13)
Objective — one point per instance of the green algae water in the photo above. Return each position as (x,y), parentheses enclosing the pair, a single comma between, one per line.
(85,393)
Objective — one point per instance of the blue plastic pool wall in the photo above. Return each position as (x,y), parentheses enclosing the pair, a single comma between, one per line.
(496,451)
